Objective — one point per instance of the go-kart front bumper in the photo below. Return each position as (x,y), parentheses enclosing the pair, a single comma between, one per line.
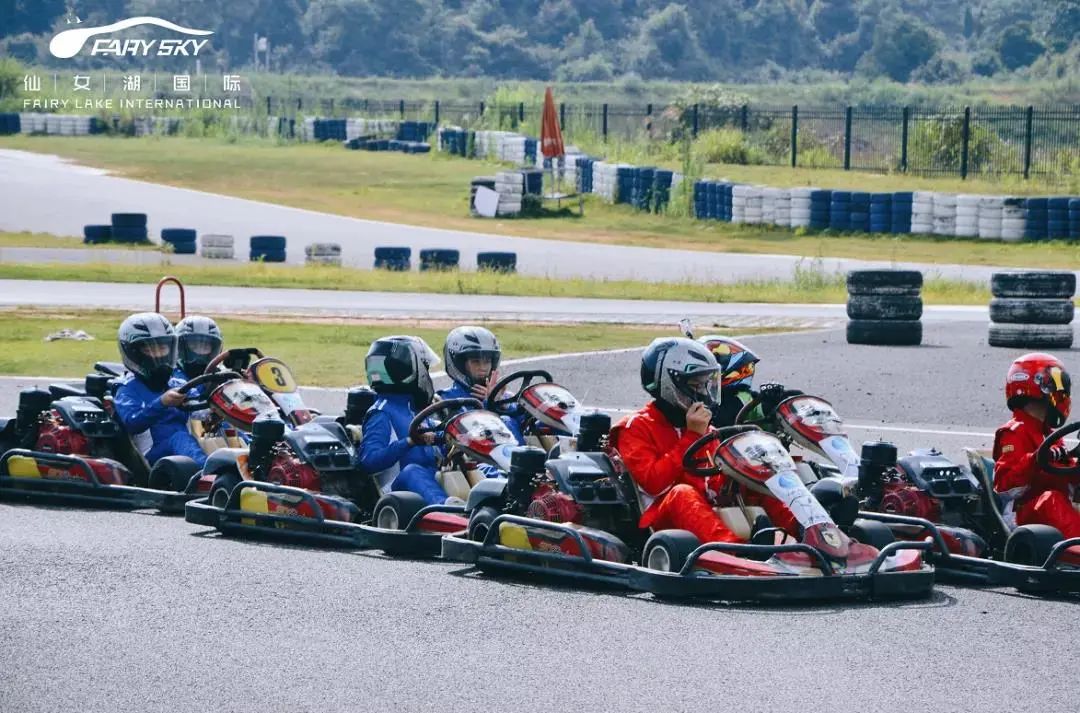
(413,541)
(31,485)
(690,581)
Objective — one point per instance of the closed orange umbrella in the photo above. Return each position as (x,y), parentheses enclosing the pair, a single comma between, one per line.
(551,144)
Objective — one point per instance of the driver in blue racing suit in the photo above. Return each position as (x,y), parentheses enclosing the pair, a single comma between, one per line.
(472,356)
(398,370)
(198,342)
(146,401)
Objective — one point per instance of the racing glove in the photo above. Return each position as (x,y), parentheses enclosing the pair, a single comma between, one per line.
(1060,454)
(772,394)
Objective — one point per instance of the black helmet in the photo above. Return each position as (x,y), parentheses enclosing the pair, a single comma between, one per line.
(464,343)
(669,364)
(148,348)
(198,342)
(402,365)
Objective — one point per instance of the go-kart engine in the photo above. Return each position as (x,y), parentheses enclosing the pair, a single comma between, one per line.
(286,469)
(56,436)
(552,506)
(905,498)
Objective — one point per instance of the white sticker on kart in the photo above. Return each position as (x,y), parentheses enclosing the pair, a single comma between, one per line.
(789,489)
(840,452)
(289,402)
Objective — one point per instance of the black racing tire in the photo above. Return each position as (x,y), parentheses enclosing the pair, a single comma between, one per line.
(222,488)
(178,235)
(1033,283)
(93,234)
(496,262)
(122,234)
(439,259)
(884,307)
(884,332)
(128,220)
(268,242)
(668,550)
(393,253)
(884,282)
(266,255)
(185,248)
(871,532)
(480,521)
(1031,544)
(323,250)
(395,510)
(1015,310)
(173,473)
(1031,336)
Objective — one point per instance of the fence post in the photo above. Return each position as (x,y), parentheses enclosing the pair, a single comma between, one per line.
(436,112)
(299,103)
(481,108)
(562,116)
(794,135)
(847,139)
(521,111)
(904,139)
(604,128)
(401,107)
(965,140)
(1029,121)
(268,105)
(695,127)
(744,117)
(648,120)
(331,106)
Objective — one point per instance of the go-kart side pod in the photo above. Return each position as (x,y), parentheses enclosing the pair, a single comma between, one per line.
(1059,573)
(281,513)
(404,526)
(76,480)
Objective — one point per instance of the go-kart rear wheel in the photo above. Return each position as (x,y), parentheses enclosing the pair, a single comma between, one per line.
(173,473)
(480,522)
(222,489)
(668,550)
(871,532)
(395,510)
(1031,544)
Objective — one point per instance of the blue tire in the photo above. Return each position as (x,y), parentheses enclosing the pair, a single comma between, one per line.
(270,243)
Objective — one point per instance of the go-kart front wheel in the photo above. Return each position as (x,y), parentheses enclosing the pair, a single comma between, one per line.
(222,489)
(1031,544)
(173,473)
(480,522)
(668,550)
(394,511)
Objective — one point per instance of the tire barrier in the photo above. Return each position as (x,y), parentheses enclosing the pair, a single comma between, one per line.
(496,261)
(1074,219)
(902,207)
(922,212)
(884,307)
(1036,218)
(820,209)
(10,124)
(55,124)
(860,212)
(510,185)
(990,212)
(439,259)
(840,210)
(415,131)
(398,259)
(1057,218)
(129,228)
(182,240)
(217,247)
(323,254)
(97,234)
(967,216)
(1013,219)
(944,214)
(267,248)
(1032,309)
(879,219)
(457,142)
(802,207)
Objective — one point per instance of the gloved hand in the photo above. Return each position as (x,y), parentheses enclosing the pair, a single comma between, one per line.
(1060,454)
(772,394)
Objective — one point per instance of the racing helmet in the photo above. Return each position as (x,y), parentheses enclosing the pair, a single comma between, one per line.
(1040,377)
(670,370)
(735,359)
(464,343)
(401,365)
(198,341)
(147,344)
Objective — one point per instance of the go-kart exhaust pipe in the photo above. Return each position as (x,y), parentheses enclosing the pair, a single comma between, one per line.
(265,435)
(32,402)
(876,457)
(594,428)
(525,464)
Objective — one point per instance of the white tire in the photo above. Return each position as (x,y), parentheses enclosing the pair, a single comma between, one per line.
(217,241)
(217,253)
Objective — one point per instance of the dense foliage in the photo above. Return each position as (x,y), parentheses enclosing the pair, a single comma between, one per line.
(927,41)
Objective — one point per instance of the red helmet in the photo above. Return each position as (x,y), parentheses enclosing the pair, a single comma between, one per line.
(1040,377)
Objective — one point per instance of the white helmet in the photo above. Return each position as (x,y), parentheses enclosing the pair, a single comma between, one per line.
(669,364)
(463,343)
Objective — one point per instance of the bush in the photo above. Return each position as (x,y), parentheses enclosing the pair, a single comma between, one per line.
(817,157)
(938,144)
(726,146)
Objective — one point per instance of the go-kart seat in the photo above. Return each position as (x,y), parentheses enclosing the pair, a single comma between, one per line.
(993,503)
(736,520)
(208,443)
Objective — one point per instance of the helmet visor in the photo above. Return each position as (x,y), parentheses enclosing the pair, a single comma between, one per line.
(743,374)
(703,386)
(156,352)
(199,347)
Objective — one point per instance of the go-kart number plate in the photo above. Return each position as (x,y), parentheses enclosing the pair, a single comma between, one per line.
(274,376)
(840,452)
(788,488)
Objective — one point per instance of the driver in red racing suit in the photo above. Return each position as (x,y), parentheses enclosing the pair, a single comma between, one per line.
(1038,390)
(681,375)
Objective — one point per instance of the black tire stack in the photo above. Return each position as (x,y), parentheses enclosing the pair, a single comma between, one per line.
(496,262)
(267,248)
(1032,309)
(398,259)
(129,228)
(97,234)
(439,259)
(885,307)
(181,239)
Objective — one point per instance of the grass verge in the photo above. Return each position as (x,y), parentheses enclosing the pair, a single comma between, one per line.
(27,239)
(432,190)
(809,284)
(340,345)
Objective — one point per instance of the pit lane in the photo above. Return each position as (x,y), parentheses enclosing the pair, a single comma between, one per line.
(121,611)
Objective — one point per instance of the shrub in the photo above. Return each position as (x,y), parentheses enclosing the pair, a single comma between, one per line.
(726,146)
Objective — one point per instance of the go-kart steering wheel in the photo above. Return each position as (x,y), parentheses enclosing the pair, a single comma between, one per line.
(218,377)
(236,360)
(1042,456)
(702,465)
(501,405)
(417,429)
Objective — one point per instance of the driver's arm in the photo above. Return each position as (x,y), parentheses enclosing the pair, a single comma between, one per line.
(137,407)
(1014,460)
(378,451)
(654,470)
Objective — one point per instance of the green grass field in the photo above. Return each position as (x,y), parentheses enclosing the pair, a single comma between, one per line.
(45,240)
(329,353)
(432,190)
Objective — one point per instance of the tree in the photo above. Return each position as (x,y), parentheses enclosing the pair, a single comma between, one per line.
(1018,46)
(832,18)
(902,43)
(1064,26)
(666,46)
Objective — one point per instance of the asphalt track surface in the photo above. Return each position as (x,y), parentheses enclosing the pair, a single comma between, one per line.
(47,194)
(104,611)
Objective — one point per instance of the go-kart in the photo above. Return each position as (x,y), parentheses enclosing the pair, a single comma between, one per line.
(402,523)
(549,412)
(926,496)
(574,517)
(291,480)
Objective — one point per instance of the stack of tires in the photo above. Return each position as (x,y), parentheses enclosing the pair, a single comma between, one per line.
(267,248)
(439,259)
(967,216)
(129,228)
(1036,211)
(510,185)
(922,212)
(97,234)
(496,262)
(181,239)
(1074,219)
(768,205)
(944,214)
(991,209)
(323,254)
(884,307)
(881,212)
(217,247)
(801,207)
(782,208)
(859,217)
(820,208)
(1057,218)
(1013,220)
(902,204)
(840,210)
(398,259)
(1032,309)
(739,194)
